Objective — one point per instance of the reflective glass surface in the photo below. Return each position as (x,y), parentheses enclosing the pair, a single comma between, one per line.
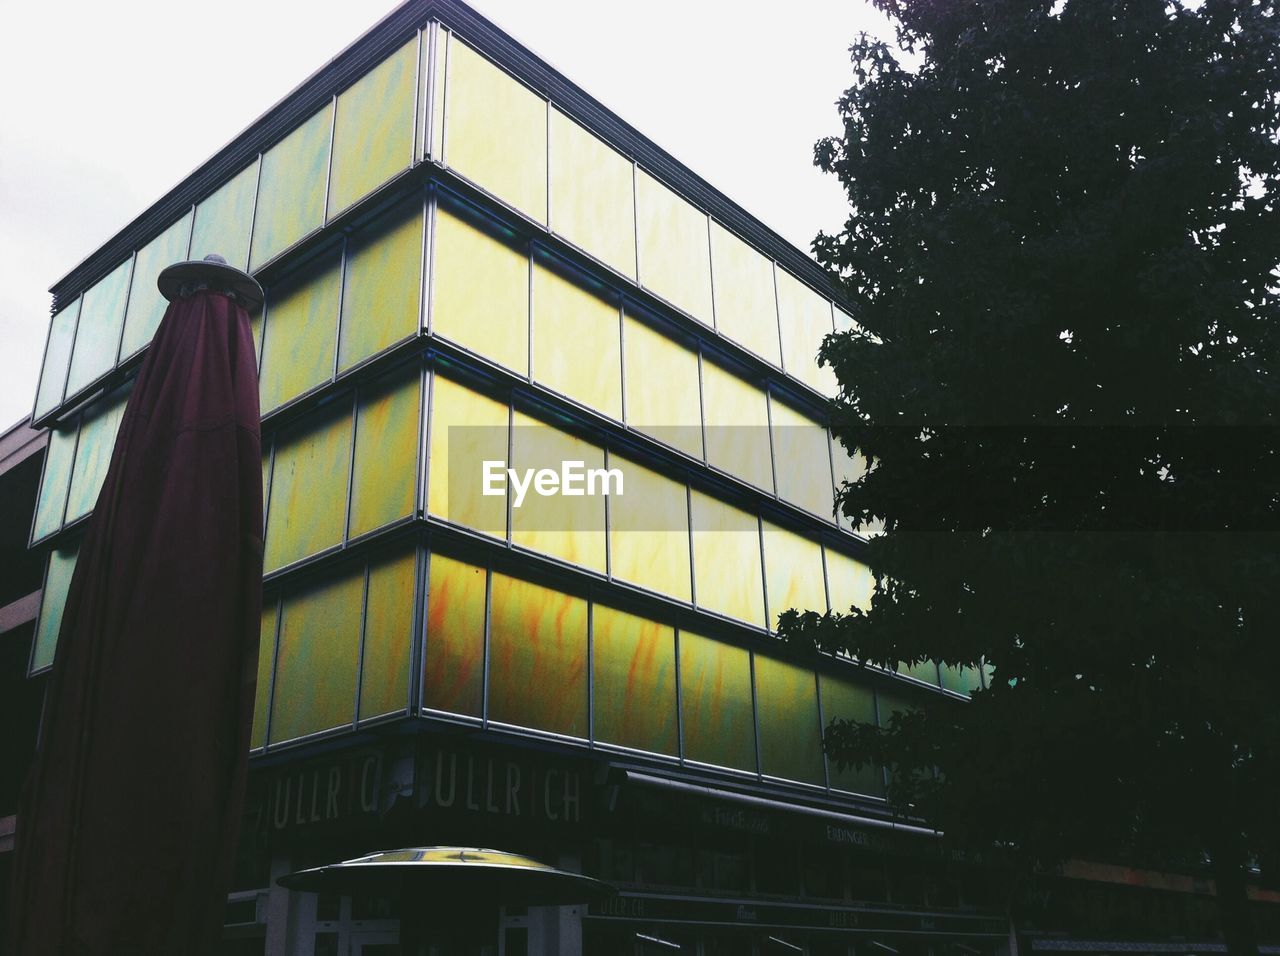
(576,337)
(737,418)
(715,701)
(146,304)
(62,564)
(57,357)
(926,671)
(308,504)
(675,259)
(467,429)
(648,531)
(790,735)
(316,662)
(266,664)
(537,658)
(385,472)
(454,669)
(793,572)
(373,128)
(634,680)
(98,428)
(388,635)
(496,131)
(962,680)
(802,460)
(746,310)
(849,582)
(300,330)
(847,699)
(663,395)
(224,219)
(55,482)
(592,195)
(383,289)
(291,188)
(726,560)
(805,320)
(480,286)
(98,334)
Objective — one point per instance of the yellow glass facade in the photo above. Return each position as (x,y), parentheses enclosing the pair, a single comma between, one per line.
(844,699)
(737,426)
(648,531)
(382,291)
(266,671)
(634,681)
(746,308)
(798,438)
(291,188)
(663,396)
(849,582)
(577,349)
(299,333)
(467,429)
(223,220)
(592,195)
(805,320)
(793,572)
(146,304)
(384,474)
(453,678)
(674,252)
(790,732)
(715,699)
(726,560)
(388,635)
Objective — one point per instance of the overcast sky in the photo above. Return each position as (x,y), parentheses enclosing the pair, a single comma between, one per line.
(106,106)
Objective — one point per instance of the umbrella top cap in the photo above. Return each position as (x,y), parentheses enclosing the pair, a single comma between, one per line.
(183,279)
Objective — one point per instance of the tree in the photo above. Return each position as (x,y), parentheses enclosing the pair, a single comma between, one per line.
(1061,255)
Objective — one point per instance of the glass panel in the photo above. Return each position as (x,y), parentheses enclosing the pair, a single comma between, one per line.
(634,664)
(537,658)
(146,304)
(790,735)
(454,670)
(298,340)
(726,560)
(53,486)
(224,219)
(467,429)
(675,259)
(98,334)
(663,398)
(385,473)
(737,416)
(480,286)
(496,131)
(388,636)
(649,531)
(849,582)
(926,671)
(715,702)
(266,664)
(746,310)
(308,507)
(804,470)
(373,129)
(436,146)
(805,320)
(793,573)
(57,356)
(381,297)
(567,526)
(573,320)
(850,468)
(62,564)
(98,430)
(592,195)
(291,188)
(962,680)
(316,662)
(849,700)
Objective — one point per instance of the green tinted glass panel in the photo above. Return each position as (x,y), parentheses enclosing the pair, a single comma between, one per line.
(467,429)
(846,699)
(62,564)
(316,660)
(480,286)
(737,416)
(576,338)
(675,258)
(146,304)
(849,582)
(962,680)
(715,701)
(496,131)
(793,573)
(98,428)
(383,291)
(803,465)
(266,664)
(746,309)
(291,188)
(634,677)
(298,338)
(308,506)
(224,219)
(663,395)
(385,473)
(592,195)
(98,334)
(805,320)
(373,128)
(57,356)
(649,531)
(53,486)
(454,671)
(726,560)
(537,658)
(926,671)
(790,734)
(388,635)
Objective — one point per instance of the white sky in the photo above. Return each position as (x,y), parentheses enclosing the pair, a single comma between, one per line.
(106,106)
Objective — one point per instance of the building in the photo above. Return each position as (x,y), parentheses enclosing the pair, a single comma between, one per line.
(468,259)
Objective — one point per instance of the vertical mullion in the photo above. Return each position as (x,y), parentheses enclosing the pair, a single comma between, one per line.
(427,272)
(822,724)
(764,576)
(418,653)
(417,99)
(679,700)
(75,454)
(755,712)
(768,418)
(128,294)
(364,633)
(328,173)
(591,673)
(425,383)
(488,616)
(269,702)
(344,263)
(253,215)
(711,275)
(351,466)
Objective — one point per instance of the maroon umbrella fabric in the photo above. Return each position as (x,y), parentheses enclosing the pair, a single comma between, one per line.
(129,822)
